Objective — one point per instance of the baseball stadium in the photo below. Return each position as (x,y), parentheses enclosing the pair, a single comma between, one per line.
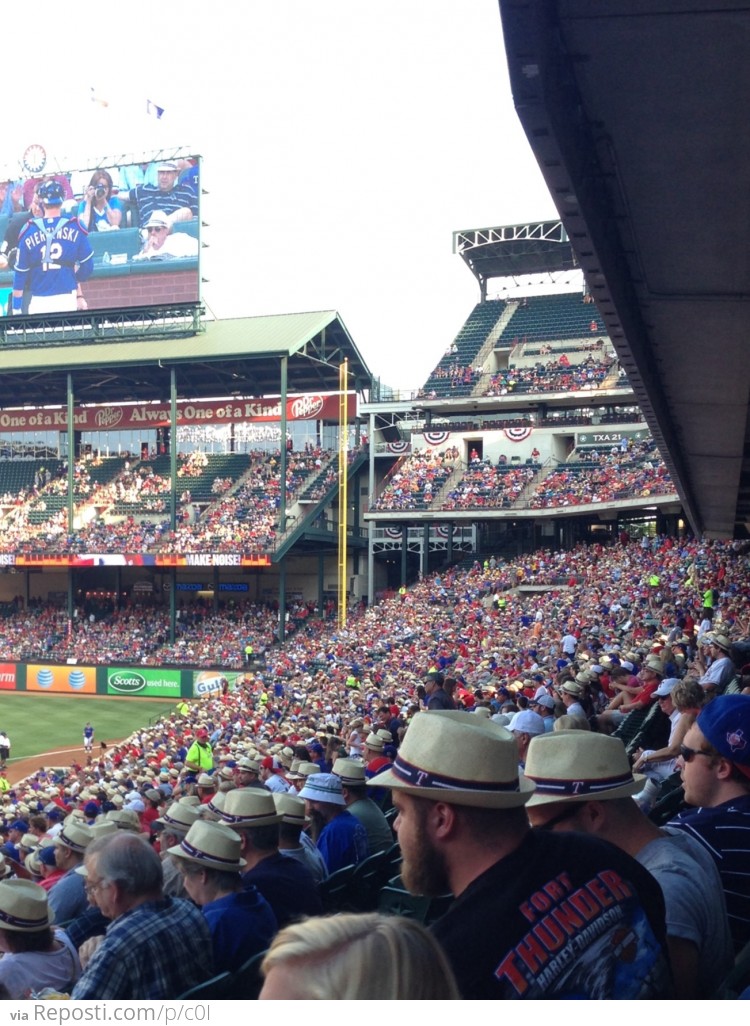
(246,583)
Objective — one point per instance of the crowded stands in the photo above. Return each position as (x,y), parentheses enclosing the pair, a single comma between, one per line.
(228,500)
(637,470)
(318,717)
(415,480)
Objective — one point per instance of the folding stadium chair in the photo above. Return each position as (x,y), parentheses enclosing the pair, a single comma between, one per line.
(213,989)
(366,880)
(395,901)
(334,890)
(669,802)
(653,732)
(630,726)
(393,858)
(246,983)
(738,977)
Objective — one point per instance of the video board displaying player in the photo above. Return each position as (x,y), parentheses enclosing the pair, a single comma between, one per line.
(89,240)
(54,258)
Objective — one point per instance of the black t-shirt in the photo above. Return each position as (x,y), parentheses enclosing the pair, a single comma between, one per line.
(565,916)
(440,699)
(288,887)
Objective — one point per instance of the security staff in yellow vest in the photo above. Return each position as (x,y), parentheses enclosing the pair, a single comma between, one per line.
(200,757)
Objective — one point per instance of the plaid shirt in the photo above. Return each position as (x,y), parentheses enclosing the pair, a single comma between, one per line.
(158,950)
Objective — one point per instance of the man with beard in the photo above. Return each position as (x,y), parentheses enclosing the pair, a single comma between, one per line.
(537,914)
(341,838)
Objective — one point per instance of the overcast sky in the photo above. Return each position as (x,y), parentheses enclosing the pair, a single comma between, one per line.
(342,141)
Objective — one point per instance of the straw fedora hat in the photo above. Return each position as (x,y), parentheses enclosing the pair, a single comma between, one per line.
(102,827)
(125,819)
(578,766)
(292,809)
(374,743)
(459,758)
(215,806)
(31,863)
(721,641)
(179,815)
(211,845)
(349,771)
(249,807)
(74,835)
(23,907)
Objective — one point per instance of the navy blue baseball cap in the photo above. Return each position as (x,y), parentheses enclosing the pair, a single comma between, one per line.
(725,724)
(51,193)
(46,855)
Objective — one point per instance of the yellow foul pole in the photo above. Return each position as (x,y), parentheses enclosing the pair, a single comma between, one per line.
(343,488)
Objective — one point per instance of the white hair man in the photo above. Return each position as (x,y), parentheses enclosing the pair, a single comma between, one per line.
(155,947)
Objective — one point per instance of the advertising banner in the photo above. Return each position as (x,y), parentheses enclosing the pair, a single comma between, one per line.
(66,679)
(209,683)
(124,416)
(218,559)
(144,682)
(7,676)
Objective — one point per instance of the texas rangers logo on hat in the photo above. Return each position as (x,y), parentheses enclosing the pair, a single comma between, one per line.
(736,740)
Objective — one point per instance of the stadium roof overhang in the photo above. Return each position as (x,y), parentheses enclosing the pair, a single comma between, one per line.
(514,249)
(232,357)
(636,113)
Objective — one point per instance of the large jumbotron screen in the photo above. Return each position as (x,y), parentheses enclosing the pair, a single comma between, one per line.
(100,239)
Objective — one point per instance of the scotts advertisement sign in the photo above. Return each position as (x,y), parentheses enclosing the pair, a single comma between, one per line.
(121,417)
(143,682)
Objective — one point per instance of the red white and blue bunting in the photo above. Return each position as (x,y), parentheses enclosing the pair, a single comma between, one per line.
(517,434)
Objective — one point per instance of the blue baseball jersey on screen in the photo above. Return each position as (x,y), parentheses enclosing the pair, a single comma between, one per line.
(54,254)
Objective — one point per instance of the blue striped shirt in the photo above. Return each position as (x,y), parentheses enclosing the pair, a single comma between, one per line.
(151,198)
(724,831)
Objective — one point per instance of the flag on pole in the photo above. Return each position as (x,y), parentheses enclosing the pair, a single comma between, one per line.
(154,110)
(97,98)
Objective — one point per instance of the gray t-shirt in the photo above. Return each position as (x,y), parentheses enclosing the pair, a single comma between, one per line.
(379,834)
(694,898)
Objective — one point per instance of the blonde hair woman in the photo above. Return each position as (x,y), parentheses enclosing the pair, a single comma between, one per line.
(357,958)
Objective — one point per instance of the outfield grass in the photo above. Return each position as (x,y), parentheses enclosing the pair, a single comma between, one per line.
(37,723)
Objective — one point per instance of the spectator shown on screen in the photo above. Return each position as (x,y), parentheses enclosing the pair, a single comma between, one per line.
(177,202)
(162,244)
(100,210)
